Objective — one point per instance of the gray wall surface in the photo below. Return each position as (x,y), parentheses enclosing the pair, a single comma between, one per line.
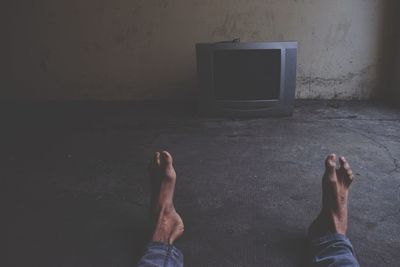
(395,87)
(389,70)
(396,83)
(144,49)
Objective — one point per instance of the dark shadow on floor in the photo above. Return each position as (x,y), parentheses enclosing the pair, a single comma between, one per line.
(73,230)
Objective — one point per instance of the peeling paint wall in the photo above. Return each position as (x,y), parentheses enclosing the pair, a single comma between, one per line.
(144,49)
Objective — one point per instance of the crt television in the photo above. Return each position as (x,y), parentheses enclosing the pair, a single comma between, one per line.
(246,79)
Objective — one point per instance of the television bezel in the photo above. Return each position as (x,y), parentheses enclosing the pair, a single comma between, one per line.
(211,106)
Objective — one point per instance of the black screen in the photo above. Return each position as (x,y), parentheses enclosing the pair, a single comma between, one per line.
(247,74)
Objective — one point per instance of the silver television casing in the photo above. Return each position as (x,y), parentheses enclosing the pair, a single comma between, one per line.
(210,106)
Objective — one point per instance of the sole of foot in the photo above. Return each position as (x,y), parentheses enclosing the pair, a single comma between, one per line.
(168,225)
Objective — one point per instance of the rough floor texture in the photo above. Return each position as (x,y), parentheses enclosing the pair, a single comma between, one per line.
(77,193)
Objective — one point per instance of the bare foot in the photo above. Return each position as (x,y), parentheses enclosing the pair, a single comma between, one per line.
(335,190)
(168,225)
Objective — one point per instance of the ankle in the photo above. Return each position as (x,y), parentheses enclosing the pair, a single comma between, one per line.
(340,225)
(161,237)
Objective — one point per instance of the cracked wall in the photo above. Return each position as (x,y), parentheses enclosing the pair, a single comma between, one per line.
(144,49)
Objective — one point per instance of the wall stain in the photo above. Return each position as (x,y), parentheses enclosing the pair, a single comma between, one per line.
(338,86)
(43,65)
(44,60)
(338,34)
(162,3)
(321,81)
(240,25)
(229,27)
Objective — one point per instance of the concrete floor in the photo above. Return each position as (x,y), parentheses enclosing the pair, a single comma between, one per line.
(77,193)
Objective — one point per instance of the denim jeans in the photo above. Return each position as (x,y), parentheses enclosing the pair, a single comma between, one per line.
(330,250)
(160,254)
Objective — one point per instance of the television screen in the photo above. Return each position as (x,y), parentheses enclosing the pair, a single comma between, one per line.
(242,74)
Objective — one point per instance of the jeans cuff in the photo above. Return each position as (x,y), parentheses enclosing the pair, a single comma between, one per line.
(329,238)
(332,249)
(174,252)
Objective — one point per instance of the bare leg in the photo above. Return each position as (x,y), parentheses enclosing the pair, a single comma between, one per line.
(167,223)
(329,244)
(335,190)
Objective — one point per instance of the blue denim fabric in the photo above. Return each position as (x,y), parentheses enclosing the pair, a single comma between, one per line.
(333,250)
(330,250)
(160,254)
